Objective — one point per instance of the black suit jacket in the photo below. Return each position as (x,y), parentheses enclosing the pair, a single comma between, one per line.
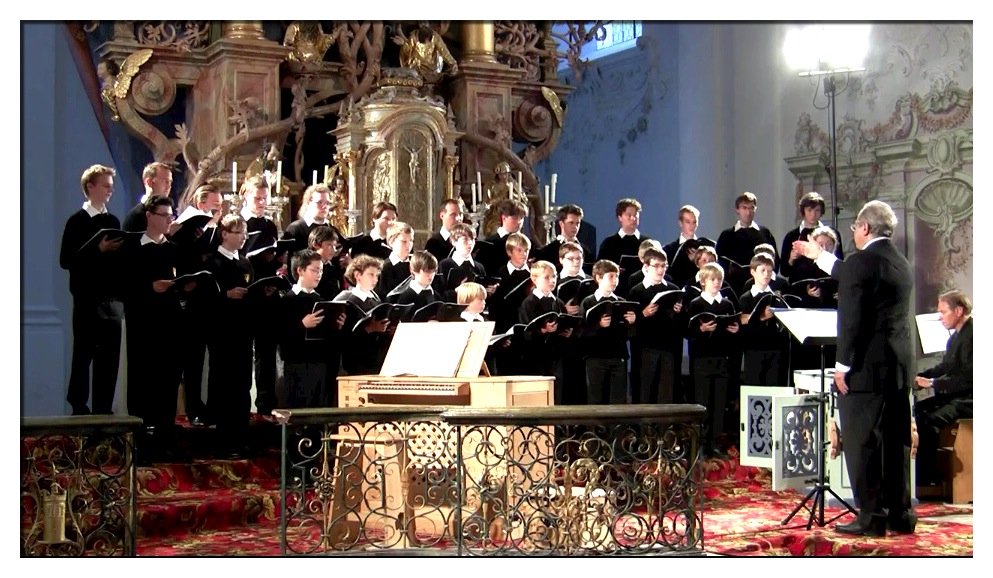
(874,337)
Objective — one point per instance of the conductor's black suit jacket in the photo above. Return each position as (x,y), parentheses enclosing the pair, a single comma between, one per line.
(874,337)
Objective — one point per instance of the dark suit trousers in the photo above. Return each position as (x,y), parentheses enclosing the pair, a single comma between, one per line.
(765,368)
(606,381)
(229,380)
(96,339)
(153,378)
(875,432)
(194,350)
(657,381)
(265,366)
(710,385)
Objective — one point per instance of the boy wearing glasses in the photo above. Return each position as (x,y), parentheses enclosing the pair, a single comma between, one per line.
(657,347)
(324,241)
(229,377)
(310,366)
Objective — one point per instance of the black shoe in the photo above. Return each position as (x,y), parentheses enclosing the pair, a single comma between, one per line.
(876,528)
(905,524)
(81,410)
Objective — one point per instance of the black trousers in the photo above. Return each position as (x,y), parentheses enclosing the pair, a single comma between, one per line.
(765,368)
(658,376)
(710,385)
(96,340)
(606,381)
(306,385)
(265,372)
(931,419)
(153,375)
(194,349)
(229,380)
(875,431)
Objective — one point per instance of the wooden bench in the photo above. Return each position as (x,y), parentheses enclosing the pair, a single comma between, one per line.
(955,441)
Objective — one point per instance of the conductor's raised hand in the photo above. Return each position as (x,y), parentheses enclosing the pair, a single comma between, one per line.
(312,320)
(809,249)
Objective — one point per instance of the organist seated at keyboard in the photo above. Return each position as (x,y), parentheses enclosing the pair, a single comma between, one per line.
(944,392)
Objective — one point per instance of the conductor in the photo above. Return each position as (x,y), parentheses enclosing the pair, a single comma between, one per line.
(873,370)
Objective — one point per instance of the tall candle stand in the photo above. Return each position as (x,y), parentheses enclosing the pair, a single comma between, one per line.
(548,219)
(275,209)
(477,218)
(353,218)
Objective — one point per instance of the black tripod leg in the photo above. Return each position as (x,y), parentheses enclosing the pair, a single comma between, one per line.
(848,507)
(799,507)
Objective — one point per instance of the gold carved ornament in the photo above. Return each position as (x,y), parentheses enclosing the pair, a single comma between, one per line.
(117,82)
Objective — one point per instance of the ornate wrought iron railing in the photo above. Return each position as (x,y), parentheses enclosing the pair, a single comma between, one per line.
(582,480)
(78,486)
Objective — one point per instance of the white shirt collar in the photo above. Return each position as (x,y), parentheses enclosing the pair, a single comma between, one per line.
(755,290)
(539,294)
(374,235)
(417,287)
(247,214)
(648,283)
(298,289)
(561,239)
(706,297)
(93,211)
(363,295)
(622,234)
(233,255)
(395,260)
(459,260)
(869,242)
(502,232)
(683,239)
(801,227)
(471,316)
(581,274)
(511,268)
(445,233)
(738,226)
(598,294)
(145,239)
(310,220)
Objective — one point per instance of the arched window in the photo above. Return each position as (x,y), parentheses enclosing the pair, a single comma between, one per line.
(620,35)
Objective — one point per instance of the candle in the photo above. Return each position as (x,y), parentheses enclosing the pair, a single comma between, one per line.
(510,189)
(520,181)
(548,191)
(315,176)
(474,199)
(234,177)
(326,173)
(479,183)
(279,176)
(555,178)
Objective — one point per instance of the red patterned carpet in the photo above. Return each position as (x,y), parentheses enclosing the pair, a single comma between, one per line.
(213,508)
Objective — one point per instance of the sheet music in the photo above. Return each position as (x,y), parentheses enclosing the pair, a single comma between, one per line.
(933,335)
(807,323)
(426,349)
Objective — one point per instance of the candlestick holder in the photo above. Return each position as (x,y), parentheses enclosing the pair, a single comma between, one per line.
(275,207)
(234,203)
(353,218)
(477,217)
(548,219)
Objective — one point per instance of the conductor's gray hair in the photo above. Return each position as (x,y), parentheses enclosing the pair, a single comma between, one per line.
(880,218)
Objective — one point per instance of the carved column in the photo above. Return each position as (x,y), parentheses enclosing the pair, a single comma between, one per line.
(242,67)
(239,29)
(477,42)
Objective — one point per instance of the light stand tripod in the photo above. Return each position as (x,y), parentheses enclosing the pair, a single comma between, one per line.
(821,486)
(815,327)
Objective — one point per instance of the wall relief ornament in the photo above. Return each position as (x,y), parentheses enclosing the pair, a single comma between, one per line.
(182,36)
(944,152)
(946,205)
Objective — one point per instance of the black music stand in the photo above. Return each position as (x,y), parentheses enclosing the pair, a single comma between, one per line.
(815,327)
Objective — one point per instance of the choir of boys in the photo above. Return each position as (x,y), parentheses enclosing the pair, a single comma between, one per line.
(589,362)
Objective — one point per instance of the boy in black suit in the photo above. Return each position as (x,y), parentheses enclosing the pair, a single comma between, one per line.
(709,347)
(512,214)
(396,267)
(605,342)
(417,289)
(738,243)
(658,342)
(375,242)
(463,239)
(570,220)
(324,241)
(229,377)
(315,206)
(764,340)
(626,240)
(310,366)
(795,266)
(97,310)
(438,243)
(506,302)
(365,348)
(542,348)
